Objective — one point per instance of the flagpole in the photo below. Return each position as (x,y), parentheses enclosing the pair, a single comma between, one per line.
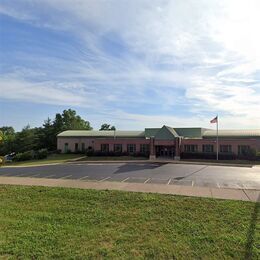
(217,137)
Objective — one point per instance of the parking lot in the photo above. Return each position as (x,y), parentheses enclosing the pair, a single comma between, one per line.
(158,173)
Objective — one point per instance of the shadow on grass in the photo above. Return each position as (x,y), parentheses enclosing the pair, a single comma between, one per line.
(251,231)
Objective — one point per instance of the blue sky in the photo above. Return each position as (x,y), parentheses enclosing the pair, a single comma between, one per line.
(133,64)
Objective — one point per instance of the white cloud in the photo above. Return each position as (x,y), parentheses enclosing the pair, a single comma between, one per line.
(46,93)
(208,50)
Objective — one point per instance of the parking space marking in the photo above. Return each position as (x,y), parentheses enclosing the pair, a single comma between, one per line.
(22,175)
(34,175)
(65,177)
(147,180)
(169,181)
(82,178)
(125,179)
(245,187)
(95,163)
(48,176)
(104,179)
(192,183)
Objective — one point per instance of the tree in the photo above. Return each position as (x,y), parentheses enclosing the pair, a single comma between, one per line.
(7,140)
(69,120)
(47,135)
(1,136)
(40,137)
(27,139)
(107,127)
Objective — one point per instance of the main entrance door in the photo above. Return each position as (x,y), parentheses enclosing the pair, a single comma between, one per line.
(165,151)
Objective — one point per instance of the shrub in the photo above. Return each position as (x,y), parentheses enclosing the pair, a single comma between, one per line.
(41,154)
(2,160)
(24,156)
(199,155)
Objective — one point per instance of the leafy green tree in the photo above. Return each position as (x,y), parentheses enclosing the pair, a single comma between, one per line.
(46,134)
(107,127)
(1,136)
(27,139)
(40,137)
(69,120)
(7,140)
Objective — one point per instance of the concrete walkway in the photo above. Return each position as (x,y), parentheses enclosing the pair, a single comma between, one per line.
(232,194)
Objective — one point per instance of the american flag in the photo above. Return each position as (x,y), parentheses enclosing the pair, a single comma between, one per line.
(214,120)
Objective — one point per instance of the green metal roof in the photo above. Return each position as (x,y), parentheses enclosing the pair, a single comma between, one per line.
(166,133)
(149,132)
(232,133)
(95,133)
(194,132)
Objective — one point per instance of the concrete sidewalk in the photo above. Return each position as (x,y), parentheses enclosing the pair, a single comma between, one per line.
(232,194)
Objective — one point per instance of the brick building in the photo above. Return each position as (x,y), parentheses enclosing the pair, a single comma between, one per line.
(161,142)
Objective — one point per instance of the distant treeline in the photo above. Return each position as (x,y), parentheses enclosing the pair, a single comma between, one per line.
(34,139)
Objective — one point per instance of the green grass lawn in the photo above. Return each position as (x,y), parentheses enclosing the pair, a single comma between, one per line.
(53,158)
(60,223)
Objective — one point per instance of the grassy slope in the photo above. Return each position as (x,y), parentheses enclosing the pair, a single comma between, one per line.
(37,222)
(54,158)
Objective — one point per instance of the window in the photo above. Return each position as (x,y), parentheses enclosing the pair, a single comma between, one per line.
(207,148)
(191,148)
(118,148)
(243,149)
(225,148)
(105,148)
(131,148)
(144,148)
(76,147)
(66,147)
(82,147)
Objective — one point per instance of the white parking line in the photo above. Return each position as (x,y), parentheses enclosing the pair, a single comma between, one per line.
(65,177)
(23,174)
(169,181)
(125,179)
(192,183)
(104,179)
(35,175)
(147,180)
(82,178)
(48,176)
(244,186)
(95,163)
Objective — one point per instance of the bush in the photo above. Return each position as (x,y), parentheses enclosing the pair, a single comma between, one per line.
(41,154)
(117,154)
(2,160)
(29,155)
(208,156)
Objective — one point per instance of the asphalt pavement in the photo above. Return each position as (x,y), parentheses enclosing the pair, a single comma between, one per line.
(143,172)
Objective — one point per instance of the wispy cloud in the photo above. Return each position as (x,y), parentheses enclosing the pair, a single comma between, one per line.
(173,62)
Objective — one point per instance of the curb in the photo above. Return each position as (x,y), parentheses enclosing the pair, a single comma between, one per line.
(216,193)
